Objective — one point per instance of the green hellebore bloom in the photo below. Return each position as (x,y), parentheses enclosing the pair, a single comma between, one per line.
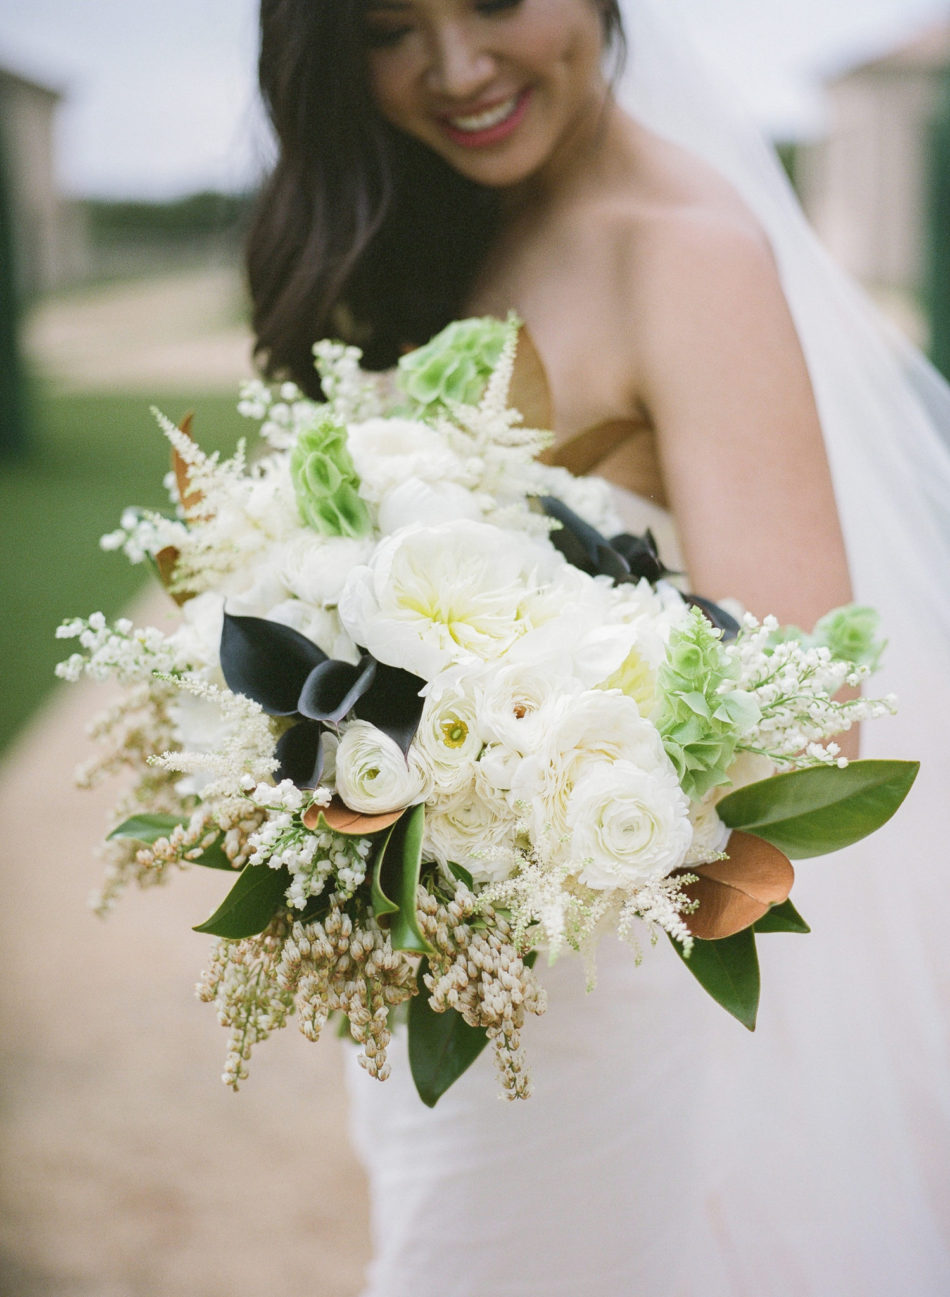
(326,483)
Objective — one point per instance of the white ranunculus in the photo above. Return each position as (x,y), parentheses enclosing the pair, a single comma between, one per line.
(373,775)
(475,832)
(386,452)
(590,728)
(627,826)
(314,568)
(428,503)
(510,695)
(434,596)
(447,741)
(710,835)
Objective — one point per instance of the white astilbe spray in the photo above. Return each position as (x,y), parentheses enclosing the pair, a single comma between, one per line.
(243,759)
(498,450)
(794,686)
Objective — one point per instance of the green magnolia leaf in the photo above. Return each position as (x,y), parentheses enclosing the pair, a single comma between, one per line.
(812,812)
(782,918)
(395,879)
(462,875)
(250,905)
(147,828)
(150,828)
(729,971)
(441,1045)
(382,905)
(214,857)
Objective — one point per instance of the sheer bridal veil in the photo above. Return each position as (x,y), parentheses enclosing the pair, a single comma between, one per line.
(828,1155)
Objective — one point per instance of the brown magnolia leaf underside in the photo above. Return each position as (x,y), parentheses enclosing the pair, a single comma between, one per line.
(165,561)
(190,500)
(351,823)
(736,892)
(530,392)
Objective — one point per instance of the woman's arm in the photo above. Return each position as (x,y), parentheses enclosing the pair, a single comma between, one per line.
(723,378)
(722,375)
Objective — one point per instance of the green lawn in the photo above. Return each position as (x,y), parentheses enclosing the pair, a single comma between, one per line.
(93,455)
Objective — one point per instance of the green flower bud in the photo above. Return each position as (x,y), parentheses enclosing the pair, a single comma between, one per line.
(326,484)
(455,366)
(851,633)
(699,722)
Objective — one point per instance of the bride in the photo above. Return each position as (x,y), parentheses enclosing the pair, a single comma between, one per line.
(441,158)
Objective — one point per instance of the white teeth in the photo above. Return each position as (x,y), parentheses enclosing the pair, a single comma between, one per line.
(486,120)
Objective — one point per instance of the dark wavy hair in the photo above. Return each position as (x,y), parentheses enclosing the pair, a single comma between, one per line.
(360,232)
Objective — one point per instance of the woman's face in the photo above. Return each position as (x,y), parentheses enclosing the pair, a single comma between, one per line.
(495,87)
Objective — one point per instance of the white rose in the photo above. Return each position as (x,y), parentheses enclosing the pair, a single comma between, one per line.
(372,773)
(386,452)
(415,501)
(432,596)
(627,826)
(475,832)
(314,568)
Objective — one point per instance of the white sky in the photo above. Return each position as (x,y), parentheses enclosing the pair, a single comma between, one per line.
(160,96)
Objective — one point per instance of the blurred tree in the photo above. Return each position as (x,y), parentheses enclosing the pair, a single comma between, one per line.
(14,439)
(937,285)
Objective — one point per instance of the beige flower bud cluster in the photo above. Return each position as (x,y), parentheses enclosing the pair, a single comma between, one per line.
(337,966)
(242,981)
(479,972)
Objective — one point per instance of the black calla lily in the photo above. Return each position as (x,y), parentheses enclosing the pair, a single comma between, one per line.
(287,674)
(624,558)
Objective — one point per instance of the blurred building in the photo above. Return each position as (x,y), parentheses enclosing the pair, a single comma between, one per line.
(865,185)
(47,236)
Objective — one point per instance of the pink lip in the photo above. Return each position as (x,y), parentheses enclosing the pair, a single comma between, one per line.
(491,134)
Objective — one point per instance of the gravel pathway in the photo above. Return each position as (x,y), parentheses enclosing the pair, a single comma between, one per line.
(129,1170)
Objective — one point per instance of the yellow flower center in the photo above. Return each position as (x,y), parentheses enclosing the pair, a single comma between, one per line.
(454,732)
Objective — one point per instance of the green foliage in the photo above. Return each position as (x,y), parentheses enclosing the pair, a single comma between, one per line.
(326,482)
(441,1045)
(146,828)
(455,365)
(95,455)
(812,812)
(150,828)
(729,971)
(250,905)
(395,879)
(197,214)
(782,918)
(700,726)
(937,271)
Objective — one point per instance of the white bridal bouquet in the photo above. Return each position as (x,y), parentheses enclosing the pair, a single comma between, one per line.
(435,723)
